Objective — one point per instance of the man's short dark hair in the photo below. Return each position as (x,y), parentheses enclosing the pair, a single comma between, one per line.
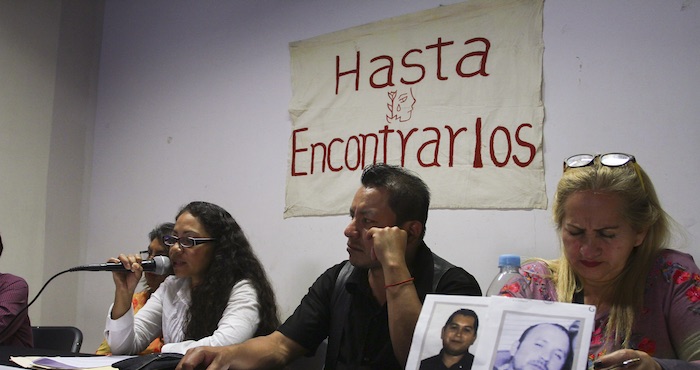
(464,312)
(409,196)
(1,246)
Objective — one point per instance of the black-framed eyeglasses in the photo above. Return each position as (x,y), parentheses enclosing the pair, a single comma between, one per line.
(187,242)
(608,160)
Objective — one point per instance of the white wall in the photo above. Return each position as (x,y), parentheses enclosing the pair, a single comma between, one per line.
(48,70)
(192,104)
(28,63)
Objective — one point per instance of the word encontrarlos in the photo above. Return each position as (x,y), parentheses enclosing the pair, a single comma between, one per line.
(356,151)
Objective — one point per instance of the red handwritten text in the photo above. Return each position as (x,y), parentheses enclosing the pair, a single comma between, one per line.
(357,151)
(412,66)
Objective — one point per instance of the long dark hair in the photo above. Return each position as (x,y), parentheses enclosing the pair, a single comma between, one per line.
(233,260)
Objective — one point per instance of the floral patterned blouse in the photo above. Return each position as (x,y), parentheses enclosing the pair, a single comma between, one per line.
(668,327)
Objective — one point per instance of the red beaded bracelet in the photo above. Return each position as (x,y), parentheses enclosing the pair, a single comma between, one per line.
(399,283)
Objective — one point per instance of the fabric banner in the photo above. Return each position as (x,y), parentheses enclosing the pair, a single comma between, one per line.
(452,93)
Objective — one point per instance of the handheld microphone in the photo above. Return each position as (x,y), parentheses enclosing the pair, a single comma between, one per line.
(159,265)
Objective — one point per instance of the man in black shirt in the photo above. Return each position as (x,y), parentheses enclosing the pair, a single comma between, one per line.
(367,306)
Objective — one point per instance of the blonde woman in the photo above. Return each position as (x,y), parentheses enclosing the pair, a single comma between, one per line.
(614,237)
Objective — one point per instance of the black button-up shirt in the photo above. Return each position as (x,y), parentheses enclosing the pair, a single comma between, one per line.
(365,342)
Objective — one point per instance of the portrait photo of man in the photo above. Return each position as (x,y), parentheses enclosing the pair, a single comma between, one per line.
(543,346)
(458,334)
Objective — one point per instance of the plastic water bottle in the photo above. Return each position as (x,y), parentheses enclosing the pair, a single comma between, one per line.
(509,265)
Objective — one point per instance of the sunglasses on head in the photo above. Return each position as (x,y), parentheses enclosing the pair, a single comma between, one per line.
(607,160)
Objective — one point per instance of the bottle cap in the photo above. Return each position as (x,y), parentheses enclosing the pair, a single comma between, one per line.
(509,260)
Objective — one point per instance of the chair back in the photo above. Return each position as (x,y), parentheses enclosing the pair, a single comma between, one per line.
(62,338)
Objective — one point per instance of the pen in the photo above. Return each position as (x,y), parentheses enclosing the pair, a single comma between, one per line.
(621,364)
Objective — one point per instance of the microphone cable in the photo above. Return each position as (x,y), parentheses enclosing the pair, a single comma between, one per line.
(161,266)
(19,314)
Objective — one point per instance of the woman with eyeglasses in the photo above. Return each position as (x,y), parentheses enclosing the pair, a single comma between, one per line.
(615,255)
(219,294)
(152,281)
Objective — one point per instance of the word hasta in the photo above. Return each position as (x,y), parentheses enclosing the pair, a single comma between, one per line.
(383,76)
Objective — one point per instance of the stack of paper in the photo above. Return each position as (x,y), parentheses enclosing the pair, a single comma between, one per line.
(67,363)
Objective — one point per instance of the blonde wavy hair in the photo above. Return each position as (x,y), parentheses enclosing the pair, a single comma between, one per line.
(642,210)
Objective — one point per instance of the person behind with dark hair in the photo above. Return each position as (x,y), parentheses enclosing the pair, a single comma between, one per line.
(616,255)
(458,334)
(14,295)
(366,306)
(152,281)
(545,346)
(219,294)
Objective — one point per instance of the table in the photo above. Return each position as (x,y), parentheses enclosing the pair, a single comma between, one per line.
(7,351)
